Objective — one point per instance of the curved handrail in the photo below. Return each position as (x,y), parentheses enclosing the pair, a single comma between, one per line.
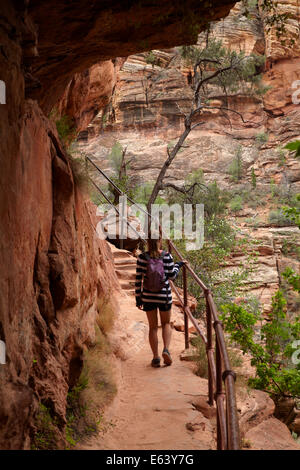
(219,369)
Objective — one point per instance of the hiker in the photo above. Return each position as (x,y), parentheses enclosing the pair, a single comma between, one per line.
(155,268)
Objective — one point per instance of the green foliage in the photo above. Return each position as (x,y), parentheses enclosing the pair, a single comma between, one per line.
(290,247)
(262,138)
(80,172)
(213,198)
(249,8)
(115,157)
(241,70)
(152,59)
(236,167)
(271,352)
(293,213)
(278,218)
(294,148)
(66,129)
(292,278)
(141,193)
(276,20)
(274,188)
(45,436)
(75,409)
(281,157)
(96,385)
(237,203)
(200,357)
(253,178)
(252,197)
(120,167)
(219,240)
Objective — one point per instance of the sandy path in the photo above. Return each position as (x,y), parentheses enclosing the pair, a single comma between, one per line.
(153,406)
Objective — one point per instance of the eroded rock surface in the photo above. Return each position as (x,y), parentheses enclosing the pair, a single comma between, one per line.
(52,268)
(146,116)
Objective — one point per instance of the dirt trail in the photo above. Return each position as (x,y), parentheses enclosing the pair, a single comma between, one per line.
(152,409)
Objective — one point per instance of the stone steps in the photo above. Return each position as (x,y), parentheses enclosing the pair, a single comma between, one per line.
(130,267)
(125,265)
(126,275)
(125,262)
(127,284)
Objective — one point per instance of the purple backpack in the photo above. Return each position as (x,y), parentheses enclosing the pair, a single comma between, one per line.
(155,278)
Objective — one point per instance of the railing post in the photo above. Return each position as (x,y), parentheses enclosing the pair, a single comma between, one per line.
(185,302)
(121,224)
(221,418)
(209,351)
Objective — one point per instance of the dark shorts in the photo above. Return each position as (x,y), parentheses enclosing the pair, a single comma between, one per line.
(153,306)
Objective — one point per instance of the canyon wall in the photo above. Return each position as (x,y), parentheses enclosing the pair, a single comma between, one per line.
(53,269)
(53,272)
(146,115)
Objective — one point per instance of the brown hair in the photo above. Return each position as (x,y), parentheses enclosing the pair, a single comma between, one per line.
(154,246)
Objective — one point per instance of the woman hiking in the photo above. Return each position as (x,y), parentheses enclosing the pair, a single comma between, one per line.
(154,269)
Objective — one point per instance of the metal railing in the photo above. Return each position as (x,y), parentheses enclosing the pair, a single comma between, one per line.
(221,378)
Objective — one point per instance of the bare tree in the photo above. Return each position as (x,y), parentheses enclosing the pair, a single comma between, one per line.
(219,67)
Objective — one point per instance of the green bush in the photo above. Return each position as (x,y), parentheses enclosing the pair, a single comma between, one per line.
(200,357)
(262,138)
(253,178)
(45,436)
(151,58)
(278,218)
(66,129)
(236,204)
(236,167)
(271,353)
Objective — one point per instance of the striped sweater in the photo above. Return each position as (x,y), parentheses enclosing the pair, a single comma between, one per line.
(165,295)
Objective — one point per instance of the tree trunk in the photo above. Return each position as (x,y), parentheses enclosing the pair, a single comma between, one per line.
(171,156)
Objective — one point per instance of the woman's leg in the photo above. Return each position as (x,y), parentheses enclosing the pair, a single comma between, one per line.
(153,327)
(165,318)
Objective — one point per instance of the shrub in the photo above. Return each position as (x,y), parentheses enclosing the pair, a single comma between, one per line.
(275,189)
(262,138)
(95,388)
(151,58)
(106,314)
(253,178)
(80,172)
(200,359)
(278,218)
(236,204)
(45,436)
(294,148)
(271,353)
(293,213)
(236,167)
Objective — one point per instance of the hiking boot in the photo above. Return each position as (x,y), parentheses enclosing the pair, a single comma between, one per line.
(155,362)
(167,357)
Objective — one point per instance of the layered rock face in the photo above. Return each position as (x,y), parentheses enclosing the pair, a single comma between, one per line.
(88,92)
(53,272)
(72,37)
(146,115)
(52,267)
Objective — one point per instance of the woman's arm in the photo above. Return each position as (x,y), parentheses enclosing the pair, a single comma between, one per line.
(140,270)
(171,268)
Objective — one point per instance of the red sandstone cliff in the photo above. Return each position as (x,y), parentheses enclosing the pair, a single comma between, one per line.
(145,115)
(52,270)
